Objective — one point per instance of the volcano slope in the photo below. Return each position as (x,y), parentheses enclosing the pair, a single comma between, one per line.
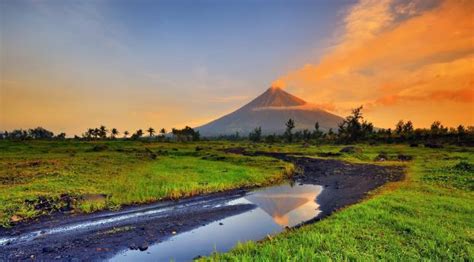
(427,216)
(270,111)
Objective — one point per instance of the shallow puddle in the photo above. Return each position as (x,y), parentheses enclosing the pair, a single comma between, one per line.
(275,208)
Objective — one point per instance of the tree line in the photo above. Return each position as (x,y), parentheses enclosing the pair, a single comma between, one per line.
(32,133)
(102,133)
(355,129)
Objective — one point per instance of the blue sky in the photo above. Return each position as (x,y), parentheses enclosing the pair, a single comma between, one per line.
(206,57)
(70,65)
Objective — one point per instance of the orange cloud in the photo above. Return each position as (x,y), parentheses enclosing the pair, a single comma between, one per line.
(463,95)
(394,52)
(279,83)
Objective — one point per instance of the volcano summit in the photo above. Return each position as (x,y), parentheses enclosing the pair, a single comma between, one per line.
(271,110)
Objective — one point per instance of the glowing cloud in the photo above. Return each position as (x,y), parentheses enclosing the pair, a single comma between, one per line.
(400,55)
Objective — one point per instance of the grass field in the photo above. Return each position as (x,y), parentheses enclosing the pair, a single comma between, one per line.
(106,175)
(428,216)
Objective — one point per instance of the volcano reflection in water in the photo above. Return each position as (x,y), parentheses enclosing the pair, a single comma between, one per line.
(276,208)
(287,205)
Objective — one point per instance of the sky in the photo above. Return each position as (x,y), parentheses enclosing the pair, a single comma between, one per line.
(71,65)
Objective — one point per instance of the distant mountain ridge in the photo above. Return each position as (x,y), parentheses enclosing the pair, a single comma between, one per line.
(271,110)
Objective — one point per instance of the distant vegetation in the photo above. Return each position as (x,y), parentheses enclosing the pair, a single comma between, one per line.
(353,129)
(101,133)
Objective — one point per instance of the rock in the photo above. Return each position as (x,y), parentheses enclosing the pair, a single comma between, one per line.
(15,218)
(150,154)
(99,148)
(328,154)
(351,150)
(382,156)
(402,157)
(433,145)
(48,249)
(221,224)
(143,246)
(133,246)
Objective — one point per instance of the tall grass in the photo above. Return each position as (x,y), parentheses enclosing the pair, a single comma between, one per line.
(123,171)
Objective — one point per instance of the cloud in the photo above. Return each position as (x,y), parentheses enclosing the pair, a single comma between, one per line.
(394,52)
(227,99)
(307,106)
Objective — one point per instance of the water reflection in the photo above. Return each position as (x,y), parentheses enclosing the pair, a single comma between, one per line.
(276,208)
(287,205)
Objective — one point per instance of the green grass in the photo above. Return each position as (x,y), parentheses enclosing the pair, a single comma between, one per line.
(124,171)
(428,216)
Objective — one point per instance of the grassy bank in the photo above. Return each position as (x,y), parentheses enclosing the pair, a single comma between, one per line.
(38,177)
(428,216)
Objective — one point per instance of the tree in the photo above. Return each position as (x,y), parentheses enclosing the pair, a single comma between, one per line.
(137,134)
(114,133)
(408,128)
(354,128)
(40,133)
(125,134)
(151,131)
(461,133)
(271,138)
(256,135)
(331,134)
(18,134)
(317,134)
(290,125)
(61,136)
(186,134)
(399,127)
(163,132)
(88,134)
(96,132)
(461,130)
(102,132)
(438,129)
(306,135)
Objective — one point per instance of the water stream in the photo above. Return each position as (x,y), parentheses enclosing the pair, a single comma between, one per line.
(275,208)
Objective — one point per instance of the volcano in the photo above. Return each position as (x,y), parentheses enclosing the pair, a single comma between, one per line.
(270,111)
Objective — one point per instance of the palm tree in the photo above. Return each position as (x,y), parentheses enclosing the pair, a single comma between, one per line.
(114,133)
(137,134)
(125,134)
(151,131)
(163,132)
(103,132)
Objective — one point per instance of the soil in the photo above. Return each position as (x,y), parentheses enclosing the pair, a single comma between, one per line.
(344,184)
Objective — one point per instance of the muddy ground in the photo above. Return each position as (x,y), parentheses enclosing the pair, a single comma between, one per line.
(344,184)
